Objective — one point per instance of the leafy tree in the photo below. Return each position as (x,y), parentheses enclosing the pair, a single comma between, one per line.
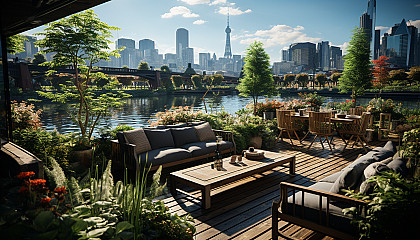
(302,79)
(196,80)
(81,40)
(176,80)
(125,67)
(289,78)
(356,75)
(15,44)
(414,74)
(399,74)
(39,58)
(101,80)
(217,79)
(143,66)
(165,68)
(321,78)
(258,79)
(208,79)
(380,72)
(335,77)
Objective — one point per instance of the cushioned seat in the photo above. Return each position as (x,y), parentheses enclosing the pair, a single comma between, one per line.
(164,155)
(332,178)
(202,148)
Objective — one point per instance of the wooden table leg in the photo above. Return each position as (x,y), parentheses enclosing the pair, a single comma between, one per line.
(292,165)
(172,186)
(205,197)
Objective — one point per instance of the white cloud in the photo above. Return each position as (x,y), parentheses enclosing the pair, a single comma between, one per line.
(344,47)
(382,28)
(199,22)
(232,11)
(218,2)
(278,35)
(415,23)
(195,2)
(180,10)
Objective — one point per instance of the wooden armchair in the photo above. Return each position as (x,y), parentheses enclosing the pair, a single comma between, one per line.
(320,125)
(286,124)
(323,220)
(359,131)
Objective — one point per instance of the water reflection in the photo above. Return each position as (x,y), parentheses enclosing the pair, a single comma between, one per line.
(139,112)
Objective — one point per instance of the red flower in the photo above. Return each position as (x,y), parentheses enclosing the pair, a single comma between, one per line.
(353,100)
(347,101)
(23,175)
(45,200)
(60,190)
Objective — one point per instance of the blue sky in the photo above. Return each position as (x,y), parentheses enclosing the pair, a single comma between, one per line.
(277,23)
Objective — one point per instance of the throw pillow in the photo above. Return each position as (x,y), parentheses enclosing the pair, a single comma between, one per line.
(160,138)
(399,165)
(184,135)
(138,138)
(204,132)
(387,160)
(371,170)
(349,178)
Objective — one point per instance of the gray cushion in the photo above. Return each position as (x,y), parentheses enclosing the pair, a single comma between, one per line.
(179,125)
(163,155)
(204,132)
(387,160)
(371,170)
(349,178)
(195,123)
(160,138)
(399,165)
(138,138)
(202,148)
(332,178)
(368,158)
(390,146)
(184,135)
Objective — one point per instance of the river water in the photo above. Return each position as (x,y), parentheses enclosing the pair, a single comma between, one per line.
(140,111)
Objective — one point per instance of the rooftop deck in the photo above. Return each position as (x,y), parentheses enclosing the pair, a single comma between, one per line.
(242,209)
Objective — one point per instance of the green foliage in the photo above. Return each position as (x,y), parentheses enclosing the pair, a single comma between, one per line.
(39,58)
(216,79)
(165,68)
(176,80)
(393,208)
(302,79)
(25,116)
(143,66)
(102,143)
(356,75)
(268,106)
(411,149)
(258,80)
(379,105)
(335,77)
(125,67)
(343,106)
(313,99)
(321,79)
(15,44)
(196,80)
(289,78)
(414,74)
(101,80)
(399,74)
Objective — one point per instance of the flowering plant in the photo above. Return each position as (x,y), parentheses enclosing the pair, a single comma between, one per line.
(295,104)
(177,115)
(24,116)
(344,106)
(312,99)
(268,106)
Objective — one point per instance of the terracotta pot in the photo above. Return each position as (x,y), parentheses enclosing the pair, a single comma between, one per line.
(256,142)
(84,157)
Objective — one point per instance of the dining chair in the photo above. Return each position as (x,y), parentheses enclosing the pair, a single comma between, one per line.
(359,131)
(286,124)
(320,125)
(356,111)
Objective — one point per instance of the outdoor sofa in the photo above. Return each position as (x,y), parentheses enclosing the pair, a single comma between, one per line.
(319,207)
(168,145)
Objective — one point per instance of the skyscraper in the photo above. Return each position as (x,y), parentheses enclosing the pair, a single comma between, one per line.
(182,44)
(367,22)
(203,60)
(336,56)
(228,50)
(324,55)
(303,54)
(145,44)
(128,55)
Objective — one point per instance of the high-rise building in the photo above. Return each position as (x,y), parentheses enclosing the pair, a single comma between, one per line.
(129,56)
(367,22)
(303,54)
(203,60)
(285,55)
(323,53)
(336,56)
(401,45)
(182,43)
(30,48)
(188,56)
(282,67)
(145,44)
(228,50)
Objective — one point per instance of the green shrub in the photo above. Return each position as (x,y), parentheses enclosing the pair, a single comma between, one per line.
(176,80)
(196,80)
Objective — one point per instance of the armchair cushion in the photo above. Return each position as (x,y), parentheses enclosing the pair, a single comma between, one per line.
(184,135)
(163,155)
(202,148)
(204,132)
(138,138)
(160,138)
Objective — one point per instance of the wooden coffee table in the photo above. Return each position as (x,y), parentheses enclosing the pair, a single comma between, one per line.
(204,178)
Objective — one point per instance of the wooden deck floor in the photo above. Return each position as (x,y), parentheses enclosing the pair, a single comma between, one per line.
(242,209)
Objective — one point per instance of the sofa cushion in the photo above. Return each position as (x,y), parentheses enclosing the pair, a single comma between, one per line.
(332,178)
(387,160)
(368,158)
(179,125)
(204,132)
(138,138)
(160,138)
(399,165)
(184,135)
(163,155)
(373,169)
(349,178)
(202,148)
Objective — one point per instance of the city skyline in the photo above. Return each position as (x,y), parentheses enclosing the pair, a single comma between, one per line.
(276,26)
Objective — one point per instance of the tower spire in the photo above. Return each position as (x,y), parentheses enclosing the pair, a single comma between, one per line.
(228,50)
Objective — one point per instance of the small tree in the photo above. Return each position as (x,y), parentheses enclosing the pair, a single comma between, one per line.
(414,74)
(380,72)
(302,79)
(165,68)
(196,80)
(321,78)
(125,67)
(289,78)
(176,80)
(143,66)
(15,44)
(335,77)
(258,79)
(356,75)
(39,58)
(217,79)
